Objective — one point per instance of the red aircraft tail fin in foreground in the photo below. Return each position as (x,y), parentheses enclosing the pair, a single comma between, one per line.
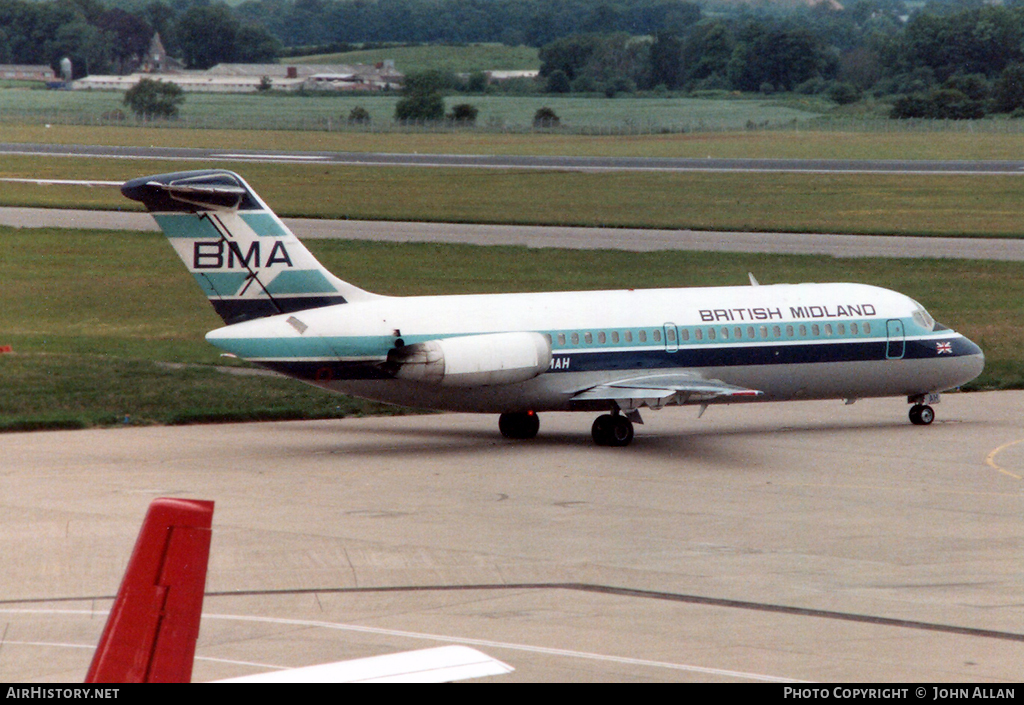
(152,629)
(151,633)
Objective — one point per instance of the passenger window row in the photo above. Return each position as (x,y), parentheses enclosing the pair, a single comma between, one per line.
(699,334)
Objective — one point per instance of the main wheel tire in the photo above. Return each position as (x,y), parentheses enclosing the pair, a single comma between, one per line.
(921,414)
(520,425)
(615,431)
(622,432)
(602,429)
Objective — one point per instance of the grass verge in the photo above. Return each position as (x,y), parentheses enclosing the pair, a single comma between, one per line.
(845,203)
(315,114)
(802,144)
(44,391)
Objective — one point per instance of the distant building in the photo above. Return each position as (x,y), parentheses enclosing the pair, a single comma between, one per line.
(367,77)
(502,76)
(25,72)
(247,78)
(156,59)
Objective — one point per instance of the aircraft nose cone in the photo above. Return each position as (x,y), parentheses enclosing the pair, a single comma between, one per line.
(973,359)
(971,348)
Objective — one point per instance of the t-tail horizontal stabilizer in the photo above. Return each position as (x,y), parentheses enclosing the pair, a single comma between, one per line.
(247,261)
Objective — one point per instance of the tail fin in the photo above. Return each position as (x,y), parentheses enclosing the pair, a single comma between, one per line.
(246,260)
(151,632)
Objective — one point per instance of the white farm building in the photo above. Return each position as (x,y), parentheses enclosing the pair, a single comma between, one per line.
(248,78)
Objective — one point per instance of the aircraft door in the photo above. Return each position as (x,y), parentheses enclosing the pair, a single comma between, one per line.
(896,344)
(671,338)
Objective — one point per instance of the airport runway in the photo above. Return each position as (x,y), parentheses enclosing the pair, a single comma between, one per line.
(497,161)
(807,541)
(630,239)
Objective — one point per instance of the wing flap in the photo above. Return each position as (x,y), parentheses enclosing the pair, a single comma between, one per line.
(656,391)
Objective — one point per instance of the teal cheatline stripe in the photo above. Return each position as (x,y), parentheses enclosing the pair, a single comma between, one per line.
(264,224)
(216,284)
(283,348)
(300,282)
(190,226)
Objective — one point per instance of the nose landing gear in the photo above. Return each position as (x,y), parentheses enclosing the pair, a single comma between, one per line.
(921,414)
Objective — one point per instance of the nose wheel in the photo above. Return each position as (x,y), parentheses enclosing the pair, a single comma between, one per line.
(520,425)
(612,430)
(921,414)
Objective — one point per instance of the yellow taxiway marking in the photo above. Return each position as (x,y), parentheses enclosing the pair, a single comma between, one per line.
(990,460)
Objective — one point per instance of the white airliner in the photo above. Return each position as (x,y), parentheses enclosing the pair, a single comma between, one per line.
(519,354)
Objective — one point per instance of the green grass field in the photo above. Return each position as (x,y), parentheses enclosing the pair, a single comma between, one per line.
(107,328)
(853,203)
(803,144)
(251,111)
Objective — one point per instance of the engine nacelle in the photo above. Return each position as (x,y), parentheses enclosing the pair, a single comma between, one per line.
(473,360)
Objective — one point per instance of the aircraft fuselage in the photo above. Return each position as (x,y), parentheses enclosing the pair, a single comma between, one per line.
(804,341)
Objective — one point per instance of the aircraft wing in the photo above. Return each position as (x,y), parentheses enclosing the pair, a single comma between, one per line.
(656,391)
(442,664)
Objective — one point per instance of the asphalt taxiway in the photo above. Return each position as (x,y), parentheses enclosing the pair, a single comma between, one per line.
(628,239)
(973,167)
(804,541)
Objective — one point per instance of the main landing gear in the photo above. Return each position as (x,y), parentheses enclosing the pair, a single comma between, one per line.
(921,414)
(522,425)
(613,430)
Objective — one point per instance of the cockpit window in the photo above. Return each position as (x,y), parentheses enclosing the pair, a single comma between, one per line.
(922,317)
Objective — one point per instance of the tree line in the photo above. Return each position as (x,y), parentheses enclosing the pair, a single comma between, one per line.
(101,38)
(948,60)
(105,37)
(951,58)
(511,22)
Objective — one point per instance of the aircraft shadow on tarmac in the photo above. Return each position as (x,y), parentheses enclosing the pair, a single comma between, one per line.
(679,442)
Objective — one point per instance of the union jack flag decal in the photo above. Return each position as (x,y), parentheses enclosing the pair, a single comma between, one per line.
(944,348)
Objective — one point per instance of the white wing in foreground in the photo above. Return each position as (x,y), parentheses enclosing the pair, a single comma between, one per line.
(438,665)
